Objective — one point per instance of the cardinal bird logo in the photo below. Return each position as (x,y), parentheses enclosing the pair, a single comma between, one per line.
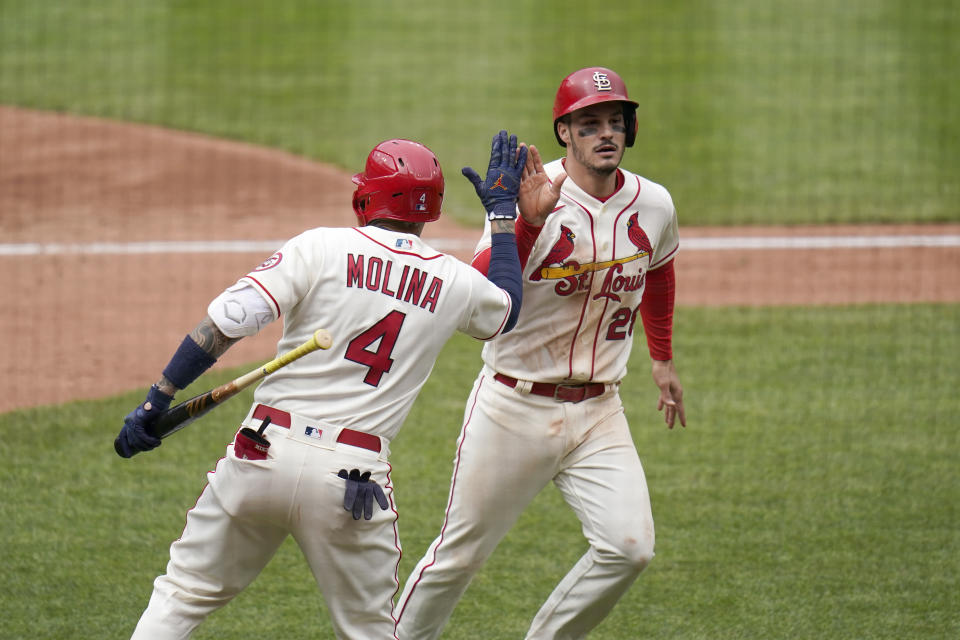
(637,236)
(558,253)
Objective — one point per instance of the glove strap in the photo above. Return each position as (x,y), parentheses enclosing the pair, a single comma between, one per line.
(158,400)
(503,211)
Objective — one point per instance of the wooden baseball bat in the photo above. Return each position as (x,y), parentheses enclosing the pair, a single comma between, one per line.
(178,417)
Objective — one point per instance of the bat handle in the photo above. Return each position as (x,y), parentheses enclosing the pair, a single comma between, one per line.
(321,340)
(263,425)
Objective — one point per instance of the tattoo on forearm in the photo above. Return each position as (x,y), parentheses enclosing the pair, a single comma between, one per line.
(502,226)
(165,386)
(210,338)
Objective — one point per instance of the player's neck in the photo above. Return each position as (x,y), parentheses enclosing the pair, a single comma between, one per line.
(599,185)
(416,228)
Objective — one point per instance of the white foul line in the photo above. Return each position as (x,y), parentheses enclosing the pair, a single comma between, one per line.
(820,242)
(139,248)
(743,243)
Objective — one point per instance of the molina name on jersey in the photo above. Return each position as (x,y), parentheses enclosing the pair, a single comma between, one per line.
(409,286)
(378,293)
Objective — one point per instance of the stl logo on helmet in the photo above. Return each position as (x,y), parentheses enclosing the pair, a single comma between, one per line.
(601,81)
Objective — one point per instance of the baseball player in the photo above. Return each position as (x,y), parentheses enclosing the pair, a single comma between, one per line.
(597,244)
(319,456)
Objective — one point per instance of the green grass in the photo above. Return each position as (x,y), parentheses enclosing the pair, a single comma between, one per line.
(751,111)
(813,495)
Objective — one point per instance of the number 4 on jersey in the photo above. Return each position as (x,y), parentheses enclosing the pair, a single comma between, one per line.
(378,360)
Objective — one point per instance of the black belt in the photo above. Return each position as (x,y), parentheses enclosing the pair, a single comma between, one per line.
(346,436)
(561,392)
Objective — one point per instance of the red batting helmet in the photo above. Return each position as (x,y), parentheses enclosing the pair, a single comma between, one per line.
(591,86)
(402,181)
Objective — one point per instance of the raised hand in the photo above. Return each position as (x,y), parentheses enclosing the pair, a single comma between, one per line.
(538,196)
(498,192)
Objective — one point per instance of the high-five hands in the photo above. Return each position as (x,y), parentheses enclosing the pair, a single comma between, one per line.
(538,196)
(361,491)
(498,192)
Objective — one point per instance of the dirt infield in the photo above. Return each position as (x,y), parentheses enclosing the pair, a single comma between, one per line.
(94,315)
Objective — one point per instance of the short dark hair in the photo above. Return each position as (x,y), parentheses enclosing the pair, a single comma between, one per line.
(397,225)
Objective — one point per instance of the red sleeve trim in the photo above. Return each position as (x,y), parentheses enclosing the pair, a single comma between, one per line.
(276,305)
(481,261)
(656,311)
(527,235)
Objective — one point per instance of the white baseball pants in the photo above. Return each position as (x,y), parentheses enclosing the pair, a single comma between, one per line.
(510,447)
(247,510)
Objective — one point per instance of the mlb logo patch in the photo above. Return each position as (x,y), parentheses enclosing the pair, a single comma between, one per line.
(404,243)
(313,432)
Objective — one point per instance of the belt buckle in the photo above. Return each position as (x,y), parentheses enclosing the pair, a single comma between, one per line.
(570,388)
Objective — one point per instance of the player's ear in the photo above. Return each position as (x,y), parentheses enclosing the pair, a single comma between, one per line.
(563,130)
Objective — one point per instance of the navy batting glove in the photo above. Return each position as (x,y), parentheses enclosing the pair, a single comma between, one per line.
(361,491)
(498,192)
(134,436)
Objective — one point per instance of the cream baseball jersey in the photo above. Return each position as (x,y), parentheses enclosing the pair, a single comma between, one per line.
(583,283)
(389,301)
